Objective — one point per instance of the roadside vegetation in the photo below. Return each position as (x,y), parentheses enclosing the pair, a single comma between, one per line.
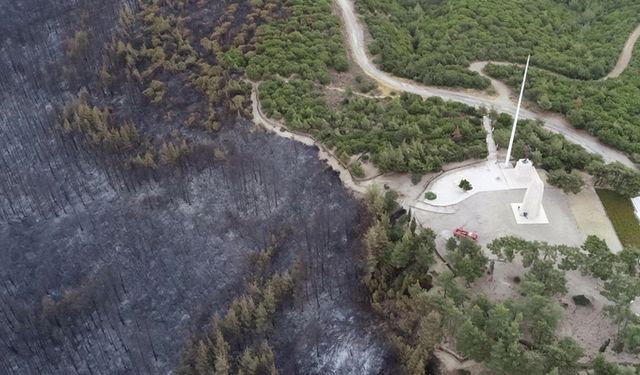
(423,306)
(606,109)
(620,212)
(433,42)
(573,44)
(405,134)
(293,59)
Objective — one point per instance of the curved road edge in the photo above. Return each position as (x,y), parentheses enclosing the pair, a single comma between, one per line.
(259,118)
(625,55)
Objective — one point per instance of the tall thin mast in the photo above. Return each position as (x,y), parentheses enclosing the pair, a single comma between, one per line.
(515,120)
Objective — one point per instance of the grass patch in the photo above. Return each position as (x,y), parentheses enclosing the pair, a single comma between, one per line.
(620,212)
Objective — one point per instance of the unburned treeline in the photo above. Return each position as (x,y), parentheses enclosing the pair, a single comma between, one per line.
(405,134)
(607,109)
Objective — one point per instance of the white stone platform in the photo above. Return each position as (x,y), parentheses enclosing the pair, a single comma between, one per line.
(486,176)
(540,219)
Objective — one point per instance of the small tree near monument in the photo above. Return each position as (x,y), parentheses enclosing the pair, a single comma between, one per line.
(465,185)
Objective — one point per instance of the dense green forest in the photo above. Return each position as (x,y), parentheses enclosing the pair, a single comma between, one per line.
(575,43)
(512,336)
(608,109)
(433,41)
(545,149)
(405,134)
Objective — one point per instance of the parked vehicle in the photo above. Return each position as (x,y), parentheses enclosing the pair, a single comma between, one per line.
(460,232)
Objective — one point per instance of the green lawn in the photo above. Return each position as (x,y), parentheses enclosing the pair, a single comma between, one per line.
(620,211)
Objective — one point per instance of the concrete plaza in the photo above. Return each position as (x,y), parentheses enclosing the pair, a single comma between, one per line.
(489,213)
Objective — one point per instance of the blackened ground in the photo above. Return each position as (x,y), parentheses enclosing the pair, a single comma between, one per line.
(120,285)
(103,271)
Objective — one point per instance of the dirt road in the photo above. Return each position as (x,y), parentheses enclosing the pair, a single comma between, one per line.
(625,55)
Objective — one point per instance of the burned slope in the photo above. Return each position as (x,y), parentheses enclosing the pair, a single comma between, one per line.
(119,286)
(73,105)
(109,267)
(39,171)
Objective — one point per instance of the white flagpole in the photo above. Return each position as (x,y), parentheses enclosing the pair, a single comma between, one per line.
(515,120)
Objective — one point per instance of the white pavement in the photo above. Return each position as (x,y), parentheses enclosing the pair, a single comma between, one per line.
(489,214)
(484,177)
(487,176)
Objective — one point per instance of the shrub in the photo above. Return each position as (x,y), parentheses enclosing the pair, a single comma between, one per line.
(632,337)
(356,169)
(465,185)
(430,195)
(407,134)
(568,182)
(390,201)
(155,91)
(416,178)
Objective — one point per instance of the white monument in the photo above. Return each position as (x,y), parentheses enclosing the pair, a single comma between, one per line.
(530,210)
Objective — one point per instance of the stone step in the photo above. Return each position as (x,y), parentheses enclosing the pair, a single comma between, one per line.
(431,208)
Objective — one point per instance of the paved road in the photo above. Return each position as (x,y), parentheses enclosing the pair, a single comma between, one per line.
(553,122)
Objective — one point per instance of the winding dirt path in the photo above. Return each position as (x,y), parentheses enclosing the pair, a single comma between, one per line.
(625,55)
(502,102)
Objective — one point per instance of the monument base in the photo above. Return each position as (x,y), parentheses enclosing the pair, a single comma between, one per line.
(540,219)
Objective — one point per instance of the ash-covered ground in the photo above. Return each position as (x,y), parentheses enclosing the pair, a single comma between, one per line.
(107,271)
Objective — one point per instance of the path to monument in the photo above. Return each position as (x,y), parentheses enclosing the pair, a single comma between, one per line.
(492,149)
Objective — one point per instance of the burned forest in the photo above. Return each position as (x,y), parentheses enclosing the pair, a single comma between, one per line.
(138,201)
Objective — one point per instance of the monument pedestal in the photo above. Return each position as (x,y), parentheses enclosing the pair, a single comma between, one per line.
(540,219)
(530,210)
